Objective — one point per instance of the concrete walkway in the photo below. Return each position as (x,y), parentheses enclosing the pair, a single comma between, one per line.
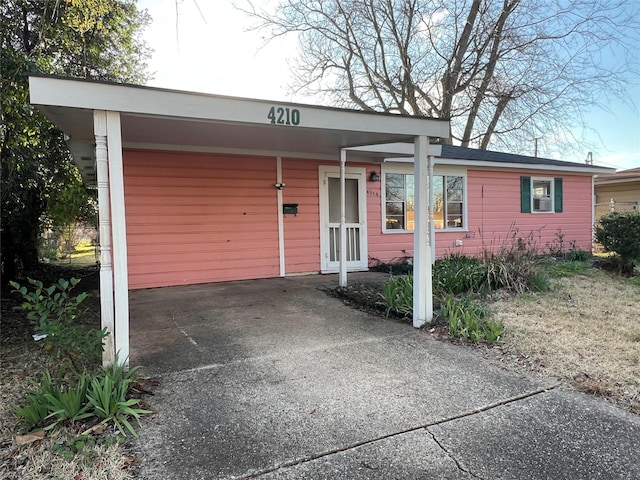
(274,379)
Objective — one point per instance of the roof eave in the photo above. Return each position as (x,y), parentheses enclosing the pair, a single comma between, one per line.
(578,168)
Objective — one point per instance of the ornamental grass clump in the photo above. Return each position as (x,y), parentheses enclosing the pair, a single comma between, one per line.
(514,265)
(107,398)
(458,274)
(397,296)
(470,321)
(99,399)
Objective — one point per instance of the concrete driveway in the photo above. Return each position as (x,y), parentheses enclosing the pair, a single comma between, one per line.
(274,379)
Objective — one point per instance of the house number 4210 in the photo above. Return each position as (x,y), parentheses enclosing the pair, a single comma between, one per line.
(284,116)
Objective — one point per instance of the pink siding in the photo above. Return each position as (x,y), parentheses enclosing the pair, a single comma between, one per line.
(195,218)
(387,247)
(302,231)
(493,199)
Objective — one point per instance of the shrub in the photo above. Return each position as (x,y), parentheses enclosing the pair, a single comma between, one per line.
(619,232)
(457,274)
(54,313)
(470,321)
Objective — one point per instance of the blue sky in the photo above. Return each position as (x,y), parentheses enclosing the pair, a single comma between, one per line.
(217,55)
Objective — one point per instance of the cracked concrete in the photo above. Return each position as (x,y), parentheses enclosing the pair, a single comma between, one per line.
(451,456)
(273,379)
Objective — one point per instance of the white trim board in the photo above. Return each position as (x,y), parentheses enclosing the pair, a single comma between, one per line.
(83,94)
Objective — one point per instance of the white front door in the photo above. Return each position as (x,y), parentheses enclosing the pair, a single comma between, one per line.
(355,219)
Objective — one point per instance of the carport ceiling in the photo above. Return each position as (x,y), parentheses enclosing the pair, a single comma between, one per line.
(269,138)
(152,131)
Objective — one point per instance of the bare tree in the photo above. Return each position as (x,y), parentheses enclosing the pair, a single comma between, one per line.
(503,71)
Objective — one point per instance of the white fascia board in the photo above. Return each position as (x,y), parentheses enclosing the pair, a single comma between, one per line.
(579,168)
(152,101)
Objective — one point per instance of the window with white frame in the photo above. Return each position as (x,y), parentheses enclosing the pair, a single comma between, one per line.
(541,195)
(399,195)
(448,201)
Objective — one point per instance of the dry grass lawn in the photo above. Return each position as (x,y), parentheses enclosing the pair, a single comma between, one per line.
(586,331)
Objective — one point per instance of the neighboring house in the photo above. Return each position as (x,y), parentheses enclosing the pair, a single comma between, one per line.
(197,188)
(617,192)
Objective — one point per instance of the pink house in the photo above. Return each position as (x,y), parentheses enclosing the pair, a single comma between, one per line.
(199,188)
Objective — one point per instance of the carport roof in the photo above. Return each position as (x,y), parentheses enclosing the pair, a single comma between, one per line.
(178,120)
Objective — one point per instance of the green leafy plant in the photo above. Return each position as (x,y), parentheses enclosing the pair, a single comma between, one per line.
(397,295)
(38,406)
(83,446)
(469,320)
(104,396)
(70,403)
(107,397)
(619,232)
(54,313)
(35,411)
(52,402)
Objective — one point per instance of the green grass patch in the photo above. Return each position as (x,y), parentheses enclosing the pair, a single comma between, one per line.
(561,268)
(635,281)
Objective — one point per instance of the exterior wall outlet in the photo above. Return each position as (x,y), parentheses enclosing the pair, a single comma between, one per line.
(459,243)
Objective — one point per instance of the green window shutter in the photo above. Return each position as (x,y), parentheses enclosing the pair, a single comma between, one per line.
(525,194)
(557,194)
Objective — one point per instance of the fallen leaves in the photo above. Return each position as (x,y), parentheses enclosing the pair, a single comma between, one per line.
(29,437)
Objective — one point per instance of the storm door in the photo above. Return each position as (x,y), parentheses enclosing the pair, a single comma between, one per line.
(355,219)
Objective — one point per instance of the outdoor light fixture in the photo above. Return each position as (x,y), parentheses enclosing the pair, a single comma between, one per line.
(280,186)
(374,177)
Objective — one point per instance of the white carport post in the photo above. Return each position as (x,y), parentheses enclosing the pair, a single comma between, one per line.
(104,223)
(432,227)
(422,291)
(343,214)
(114,289)
(119,236)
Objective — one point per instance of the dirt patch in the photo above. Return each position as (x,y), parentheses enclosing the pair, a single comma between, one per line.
(365,297)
